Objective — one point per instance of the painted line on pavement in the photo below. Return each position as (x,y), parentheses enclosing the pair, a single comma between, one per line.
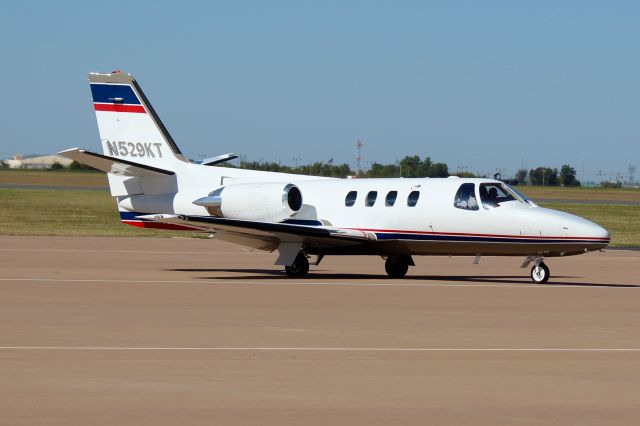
(304,349)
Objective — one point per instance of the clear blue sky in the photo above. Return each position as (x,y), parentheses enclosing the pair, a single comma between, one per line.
(481,84)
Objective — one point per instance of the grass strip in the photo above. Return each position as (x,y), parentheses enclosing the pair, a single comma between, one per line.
(94,213)
(67,213)
(623,222)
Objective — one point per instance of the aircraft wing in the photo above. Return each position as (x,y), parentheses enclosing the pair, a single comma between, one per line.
(266,235)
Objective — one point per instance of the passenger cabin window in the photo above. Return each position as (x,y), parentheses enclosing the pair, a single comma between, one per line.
(350,199)
(390,199)
(412,199)
(466,197)
(371,198)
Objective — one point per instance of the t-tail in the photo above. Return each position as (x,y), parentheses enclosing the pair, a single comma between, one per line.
(129,127)
(138,153)
(135,143)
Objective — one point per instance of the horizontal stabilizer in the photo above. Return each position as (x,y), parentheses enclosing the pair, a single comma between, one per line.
(116,166)
(218,160)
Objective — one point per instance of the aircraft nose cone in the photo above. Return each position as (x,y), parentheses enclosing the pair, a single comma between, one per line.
(590,230)
(600,232)
(580,228)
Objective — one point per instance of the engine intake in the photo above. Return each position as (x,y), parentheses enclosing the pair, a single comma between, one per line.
(268,201)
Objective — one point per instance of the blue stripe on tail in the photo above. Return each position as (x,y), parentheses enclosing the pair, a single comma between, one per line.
(108,93)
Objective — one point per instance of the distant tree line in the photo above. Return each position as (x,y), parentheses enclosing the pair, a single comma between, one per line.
(607,184)
(313,169)
(546,176)
(73,166)
(411,166)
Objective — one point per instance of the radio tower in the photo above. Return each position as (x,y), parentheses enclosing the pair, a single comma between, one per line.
(358,157)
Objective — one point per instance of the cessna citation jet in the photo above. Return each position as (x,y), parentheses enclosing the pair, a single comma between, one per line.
(301,216)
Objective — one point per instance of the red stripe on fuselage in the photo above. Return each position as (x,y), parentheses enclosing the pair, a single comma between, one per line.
(119,108)
(463,234)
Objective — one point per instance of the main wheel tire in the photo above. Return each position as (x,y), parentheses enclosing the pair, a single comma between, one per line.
(540,274)
(299,268)
(396,266)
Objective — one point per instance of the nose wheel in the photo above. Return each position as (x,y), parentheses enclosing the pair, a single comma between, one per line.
(540,273)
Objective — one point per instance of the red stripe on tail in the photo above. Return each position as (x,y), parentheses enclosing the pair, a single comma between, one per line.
(119,108)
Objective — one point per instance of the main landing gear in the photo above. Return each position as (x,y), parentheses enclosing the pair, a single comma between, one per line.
(540,272)
(299,268)
(397,266)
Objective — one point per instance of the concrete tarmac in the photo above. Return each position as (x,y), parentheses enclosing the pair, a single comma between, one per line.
(107,331)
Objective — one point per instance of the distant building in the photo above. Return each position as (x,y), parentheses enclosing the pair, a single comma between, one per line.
(36,162)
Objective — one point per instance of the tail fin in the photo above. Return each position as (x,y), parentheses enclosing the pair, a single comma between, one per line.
(129,127)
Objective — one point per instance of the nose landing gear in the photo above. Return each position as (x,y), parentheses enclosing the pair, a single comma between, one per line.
(540,272)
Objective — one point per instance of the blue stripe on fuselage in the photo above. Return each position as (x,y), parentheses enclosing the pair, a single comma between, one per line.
(107,93)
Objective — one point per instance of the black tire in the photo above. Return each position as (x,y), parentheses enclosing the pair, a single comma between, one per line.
(299,268)
(540,274)
(396,266)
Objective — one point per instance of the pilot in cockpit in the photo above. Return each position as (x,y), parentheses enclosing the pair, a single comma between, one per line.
(489,198)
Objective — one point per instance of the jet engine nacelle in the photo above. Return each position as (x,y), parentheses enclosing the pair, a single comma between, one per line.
(267,202)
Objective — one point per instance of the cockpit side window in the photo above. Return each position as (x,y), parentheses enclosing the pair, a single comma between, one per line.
(492,194)
(350,199)
(466,197)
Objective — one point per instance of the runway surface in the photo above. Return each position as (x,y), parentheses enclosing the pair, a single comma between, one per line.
(173,331)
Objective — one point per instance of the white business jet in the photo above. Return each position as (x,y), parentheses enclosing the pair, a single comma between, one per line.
(301,216)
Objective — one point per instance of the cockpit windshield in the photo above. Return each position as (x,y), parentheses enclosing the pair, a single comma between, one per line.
(520,194)
(492,194)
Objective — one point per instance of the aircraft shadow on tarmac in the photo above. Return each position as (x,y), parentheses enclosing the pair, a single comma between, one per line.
(272,274)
